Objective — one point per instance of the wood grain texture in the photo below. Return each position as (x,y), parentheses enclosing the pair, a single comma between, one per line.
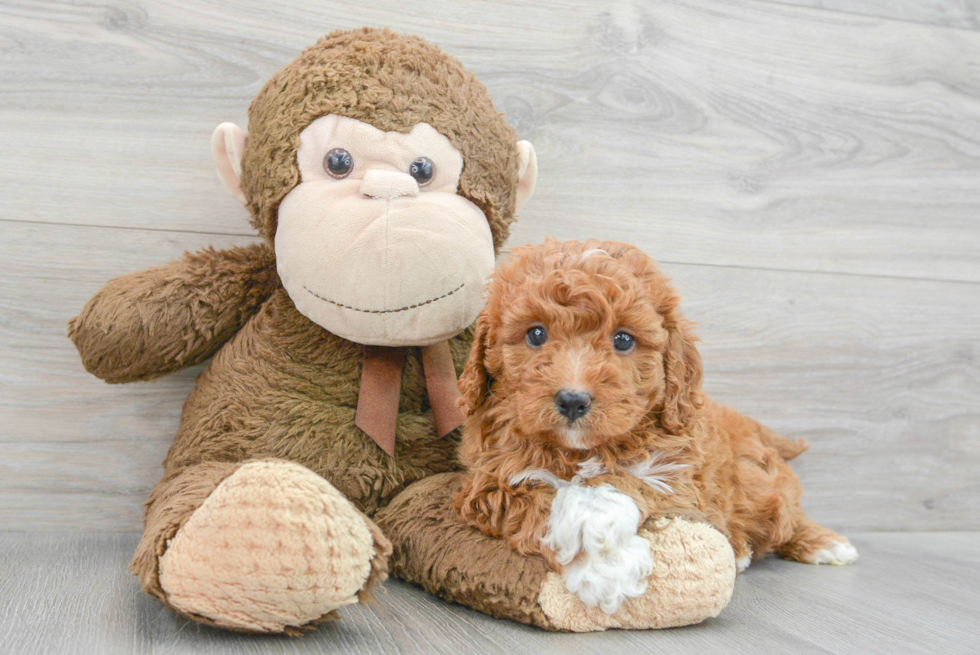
(740,133)
(810,178)
(75,451)
(909,593)
(881,374)
(962,14)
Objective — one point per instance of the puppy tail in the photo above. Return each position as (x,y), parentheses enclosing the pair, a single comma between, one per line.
(787,449)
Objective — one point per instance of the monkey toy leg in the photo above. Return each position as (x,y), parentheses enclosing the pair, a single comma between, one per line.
(692,581)
(257,546)
(261,522)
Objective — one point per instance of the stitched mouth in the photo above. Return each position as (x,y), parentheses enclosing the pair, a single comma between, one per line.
(384,311)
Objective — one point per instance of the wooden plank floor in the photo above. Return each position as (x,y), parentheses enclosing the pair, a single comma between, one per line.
(808,171)
(910,593)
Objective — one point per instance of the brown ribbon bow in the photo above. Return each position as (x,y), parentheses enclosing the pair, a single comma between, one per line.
(381,382)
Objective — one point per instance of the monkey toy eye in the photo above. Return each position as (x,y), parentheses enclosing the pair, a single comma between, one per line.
(624,342)
(422,169)
(536,336)
(338,163)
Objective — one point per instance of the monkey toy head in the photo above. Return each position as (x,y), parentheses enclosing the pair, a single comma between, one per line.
(380,171)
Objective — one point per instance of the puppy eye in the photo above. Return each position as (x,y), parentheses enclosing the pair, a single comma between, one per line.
(422,169)
(338,163)
(536,336)
(624,342)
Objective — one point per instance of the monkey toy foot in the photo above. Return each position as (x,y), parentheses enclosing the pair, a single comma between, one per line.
(692,580)
(273,548)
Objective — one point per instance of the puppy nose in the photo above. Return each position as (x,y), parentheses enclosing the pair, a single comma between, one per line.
(573,404)
(388,184)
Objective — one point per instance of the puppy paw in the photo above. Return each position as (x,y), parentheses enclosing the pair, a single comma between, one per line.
(593,532)
(743,562)
(837,554)
(609,577)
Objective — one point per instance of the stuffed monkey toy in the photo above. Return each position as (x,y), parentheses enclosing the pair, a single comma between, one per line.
(317,451)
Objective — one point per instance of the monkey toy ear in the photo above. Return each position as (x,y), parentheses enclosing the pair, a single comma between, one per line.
(227,148)
(529,173)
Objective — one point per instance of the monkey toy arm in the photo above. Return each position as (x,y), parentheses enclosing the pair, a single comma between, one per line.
(143,325)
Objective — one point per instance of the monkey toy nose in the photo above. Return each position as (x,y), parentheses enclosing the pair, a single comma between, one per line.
(386,185)
(573,404)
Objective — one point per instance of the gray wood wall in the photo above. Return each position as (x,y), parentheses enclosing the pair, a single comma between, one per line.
(808,172)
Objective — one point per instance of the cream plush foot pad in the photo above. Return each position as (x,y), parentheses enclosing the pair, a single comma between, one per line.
(273,546)
(693,579)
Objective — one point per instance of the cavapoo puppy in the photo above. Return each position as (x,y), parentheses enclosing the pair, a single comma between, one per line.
(585,417)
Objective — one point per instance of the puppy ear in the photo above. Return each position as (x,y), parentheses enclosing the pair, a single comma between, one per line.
(474,383)
(683,375)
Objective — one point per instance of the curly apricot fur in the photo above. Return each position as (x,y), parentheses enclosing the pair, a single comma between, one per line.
(733,470)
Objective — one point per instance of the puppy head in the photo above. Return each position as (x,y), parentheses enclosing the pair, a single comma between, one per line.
(580,343)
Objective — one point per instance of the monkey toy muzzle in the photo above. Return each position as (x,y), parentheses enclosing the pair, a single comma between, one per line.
(355,242)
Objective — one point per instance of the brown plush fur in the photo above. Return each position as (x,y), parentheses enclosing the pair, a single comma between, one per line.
(461,564)
(435,548)
(732,469)
(280,386)
(392,82)
(147,324)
